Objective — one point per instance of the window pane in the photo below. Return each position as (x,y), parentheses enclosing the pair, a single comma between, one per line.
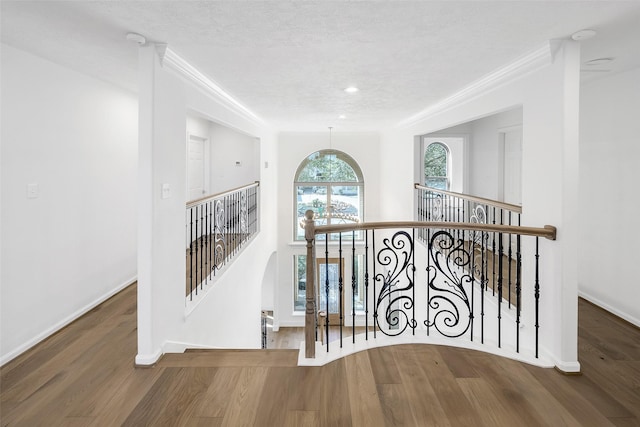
(359,293)
(326,167)
(435,166)
(300,280)
(345,204)
(314,198)
(436,182)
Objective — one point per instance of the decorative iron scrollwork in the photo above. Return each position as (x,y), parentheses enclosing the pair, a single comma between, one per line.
(219,235)
(394,299)
(478,216)
(450,310)
(437,208)
(244,217)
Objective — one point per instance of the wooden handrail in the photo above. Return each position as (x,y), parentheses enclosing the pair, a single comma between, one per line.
(548,231)
(195,202)
(495,203)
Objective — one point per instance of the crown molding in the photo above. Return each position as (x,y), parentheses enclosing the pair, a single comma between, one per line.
(170,59)
(535,60)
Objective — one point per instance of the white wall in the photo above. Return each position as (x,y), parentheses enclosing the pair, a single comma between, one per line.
(229,313)
(609,204)
(293,148)
(549,97)
(227,147)
(75,244)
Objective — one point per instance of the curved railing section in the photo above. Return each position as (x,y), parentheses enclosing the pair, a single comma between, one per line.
(434,205)
(438,290)
(437,205)
(217,227)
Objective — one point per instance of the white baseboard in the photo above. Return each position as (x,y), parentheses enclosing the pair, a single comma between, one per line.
(180,347)
(629,318)
(148,359)
(568,367)
(55,328)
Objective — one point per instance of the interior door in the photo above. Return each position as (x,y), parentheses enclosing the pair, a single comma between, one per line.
(336,304)
(195,167)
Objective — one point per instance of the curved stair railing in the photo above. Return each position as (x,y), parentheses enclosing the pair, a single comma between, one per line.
(427,281)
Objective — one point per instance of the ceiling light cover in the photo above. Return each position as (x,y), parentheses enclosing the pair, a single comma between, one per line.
(583,35)
(138,38)
(351,89)
(598,61)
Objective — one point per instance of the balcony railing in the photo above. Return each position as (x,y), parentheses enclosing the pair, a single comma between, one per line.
(434,205)
(439,289)
(447,206)
(217,227)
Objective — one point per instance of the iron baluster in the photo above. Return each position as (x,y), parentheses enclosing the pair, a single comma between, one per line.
(353,285)
(493,257)
(375,307)
(500,278)
(340,285)
(537,294)
(518,290)
(509,261)
(366,285)
(473,282)
(326,286)
(482,285)
(413,280)
(191,258)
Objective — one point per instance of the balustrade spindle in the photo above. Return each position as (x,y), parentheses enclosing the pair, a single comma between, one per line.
(353,285)
(537,295)
(366,284)
(326,285)
(340,286)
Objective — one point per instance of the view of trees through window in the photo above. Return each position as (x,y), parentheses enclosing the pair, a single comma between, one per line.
(329,182)
(435,166)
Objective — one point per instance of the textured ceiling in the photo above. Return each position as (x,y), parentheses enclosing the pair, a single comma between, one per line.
(289,62)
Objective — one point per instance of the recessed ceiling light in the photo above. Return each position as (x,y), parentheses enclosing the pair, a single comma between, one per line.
(598,61)
(351,89)
(583,35)
(342,116)
(138,38)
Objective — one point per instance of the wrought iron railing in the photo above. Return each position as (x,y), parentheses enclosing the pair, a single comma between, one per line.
(437,205)
(454,297)
(217,227)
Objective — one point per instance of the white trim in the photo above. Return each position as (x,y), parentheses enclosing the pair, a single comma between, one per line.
(170,59)
(64,322)
(180,347)
(335,352)
(568,367)
(629,318)
(540,57)
(148,359)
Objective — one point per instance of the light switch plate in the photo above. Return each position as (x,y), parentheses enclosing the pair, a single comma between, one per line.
(166,191)
(33,192)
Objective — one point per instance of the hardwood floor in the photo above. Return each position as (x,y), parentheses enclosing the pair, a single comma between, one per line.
(84,376)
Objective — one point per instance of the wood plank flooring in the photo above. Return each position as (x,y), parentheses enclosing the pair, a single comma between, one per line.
(84,376)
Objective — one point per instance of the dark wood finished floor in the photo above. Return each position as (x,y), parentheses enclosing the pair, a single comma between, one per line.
(84,376)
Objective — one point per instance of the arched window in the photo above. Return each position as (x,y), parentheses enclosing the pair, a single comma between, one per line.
(436,166)
(329,182)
